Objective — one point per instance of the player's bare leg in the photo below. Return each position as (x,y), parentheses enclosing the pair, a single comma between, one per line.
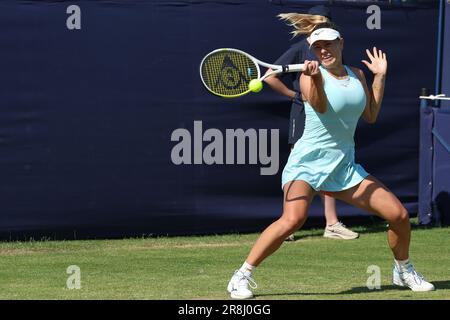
(297,198)
(371,195)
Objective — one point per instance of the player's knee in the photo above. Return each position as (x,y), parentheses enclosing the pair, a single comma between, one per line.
(400,215)
(294,222)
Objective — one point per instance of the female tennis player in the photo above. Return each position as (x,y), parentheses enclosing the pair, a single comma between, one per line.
(322,160)
(298,53)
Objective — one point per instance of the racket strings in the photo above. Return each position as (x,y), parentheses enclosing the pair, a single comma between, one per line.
(227,73)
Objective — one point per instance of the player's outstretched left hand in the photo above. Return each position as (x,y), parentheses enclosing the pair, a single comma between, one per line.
(378,62)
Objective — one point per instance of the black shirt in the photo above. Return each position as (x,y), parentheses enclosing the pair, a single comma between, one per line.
(297,53)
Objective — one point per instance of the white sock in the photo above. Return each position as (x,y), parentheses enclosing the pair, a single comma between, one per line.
(247,269)
(401,264)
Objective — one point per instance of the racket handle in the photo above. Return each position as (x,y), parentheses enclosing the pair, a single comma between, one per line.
(284,69)
(294,67)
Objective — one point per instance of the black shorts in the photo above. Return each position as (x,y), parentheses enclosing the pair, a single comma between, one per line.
(296,122)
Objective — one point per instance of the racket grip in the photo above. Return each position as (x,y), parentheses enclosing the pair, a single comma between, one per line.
(294,68)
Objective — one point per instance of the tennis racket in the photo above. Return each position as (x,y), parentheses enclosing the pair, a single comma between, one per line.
(227,72)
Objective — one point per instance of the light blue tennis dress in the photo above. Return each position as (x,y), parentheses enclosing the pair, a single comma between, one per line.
(324,156)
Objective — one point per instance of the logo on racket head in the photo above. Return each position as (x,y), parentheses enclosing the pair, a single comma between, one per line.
(230,76)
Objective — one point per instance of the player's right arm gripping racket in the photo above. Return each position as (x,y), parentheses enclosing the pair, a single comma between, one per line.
(227,72)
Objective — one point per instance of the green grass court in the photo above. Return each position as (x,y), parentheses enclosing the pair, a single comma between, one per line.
(199,267)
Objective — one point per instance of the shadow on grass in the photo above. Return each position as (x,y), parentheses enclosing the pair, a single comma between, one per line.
(440,285)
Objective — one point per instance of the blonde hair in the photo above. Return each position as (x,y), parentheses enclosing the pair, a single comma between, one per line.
(302,23)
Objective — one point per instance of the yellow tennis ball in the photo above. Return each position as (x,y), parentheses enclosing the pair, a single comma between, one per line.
(255,85)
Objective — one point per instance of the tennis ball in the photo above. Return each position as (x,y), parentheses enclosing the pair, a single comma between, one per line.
(255,85)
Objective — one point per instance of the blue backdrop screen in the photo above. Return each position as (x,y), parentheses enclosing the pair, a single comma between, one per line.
(88,115)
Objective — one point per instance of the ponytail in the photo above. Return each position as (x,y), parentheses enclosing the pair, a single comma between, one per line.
(303,23)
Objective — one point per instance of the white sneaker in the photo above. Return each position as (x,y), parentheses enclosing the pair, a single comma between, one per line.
(411,279)
(291,237)
(339,231)
(238,287)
